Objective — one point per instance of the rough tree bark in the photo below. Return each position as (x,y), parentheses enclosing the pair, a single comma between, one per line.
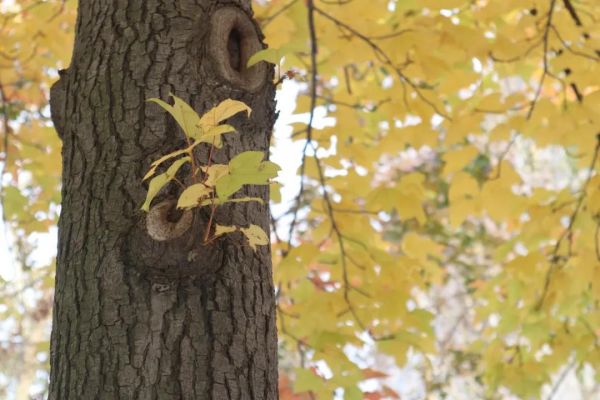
(136,318)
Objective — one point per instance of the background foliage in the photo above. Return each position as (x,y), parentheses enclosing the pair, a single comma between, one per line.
(444,238)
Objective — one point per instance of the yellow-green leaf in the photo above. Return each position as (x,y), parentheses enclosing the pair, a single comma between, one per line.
(213,135)
(192,196)
(246,169)
(185,115)
(275,192)
(272,56)
(164,158)
(224,110)
(215,172)
(161,180)
(216,201)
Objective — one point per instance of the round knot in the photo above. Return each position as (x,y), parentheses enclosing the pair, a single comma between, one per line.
(233,40)
(165,222)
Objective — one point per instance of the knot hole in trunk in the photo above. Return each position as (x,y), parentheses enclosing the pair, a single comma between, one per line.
(233,40)
(234,47)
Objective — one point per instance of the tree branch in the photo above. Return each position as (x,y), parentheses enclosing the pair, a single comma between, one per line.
(572,12)
(569,230)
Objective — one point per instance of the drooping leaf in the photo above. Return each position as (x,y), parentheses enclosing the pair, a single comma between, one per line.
(270,55)
(164,158)
(185,115)
(213,135)
(226,109)
(161,180)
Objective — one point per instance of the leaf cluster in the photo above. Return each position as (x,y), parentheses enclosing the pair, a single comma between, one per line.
(212,184)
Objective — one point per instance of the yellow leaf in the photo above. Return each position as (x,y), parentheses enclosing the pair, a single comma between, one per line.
(164,158)
(419,247)
(498,198)
(256,236)
(217,202)
(594,198)
(185,115)
(225,109)
(215,172)
(192,195)
(213,135)
(457,159)
(442,4)
(463,197)
(223,229)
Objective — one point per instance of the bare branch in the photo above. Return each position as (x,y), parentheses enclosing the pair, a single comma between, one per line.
(568,232)
(572,12)
(545,72)
(384,58)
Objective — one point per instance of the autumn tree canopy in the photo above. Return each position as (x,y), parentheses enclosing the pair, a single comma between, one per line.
(448,222)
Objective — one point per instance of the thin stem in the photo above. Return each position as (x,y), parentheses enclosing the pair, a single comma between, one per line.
(209,224)
(545,40)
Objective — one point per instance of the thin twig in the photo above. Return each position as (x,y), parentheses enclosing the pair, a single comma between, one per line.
(560,379)
(570,49)
(277,13)
(569,230)
(7,130)
(572,12)
(597,239)
(309,126)
(385,58)
(545,71)
(340,240)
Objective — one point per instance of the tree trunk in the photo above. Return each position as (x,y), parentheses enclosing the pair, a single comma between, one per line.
(136,318)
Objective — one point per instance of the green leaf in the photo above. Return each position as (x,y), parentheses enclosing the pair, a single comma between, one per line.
(161,180)
(395,348)
(246,169)
(247,159)
(256,236)
(353,393)
(306,381)
(227,186)
(13,202)
(185,115)
(192,195)
(226,109)
(275,192)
